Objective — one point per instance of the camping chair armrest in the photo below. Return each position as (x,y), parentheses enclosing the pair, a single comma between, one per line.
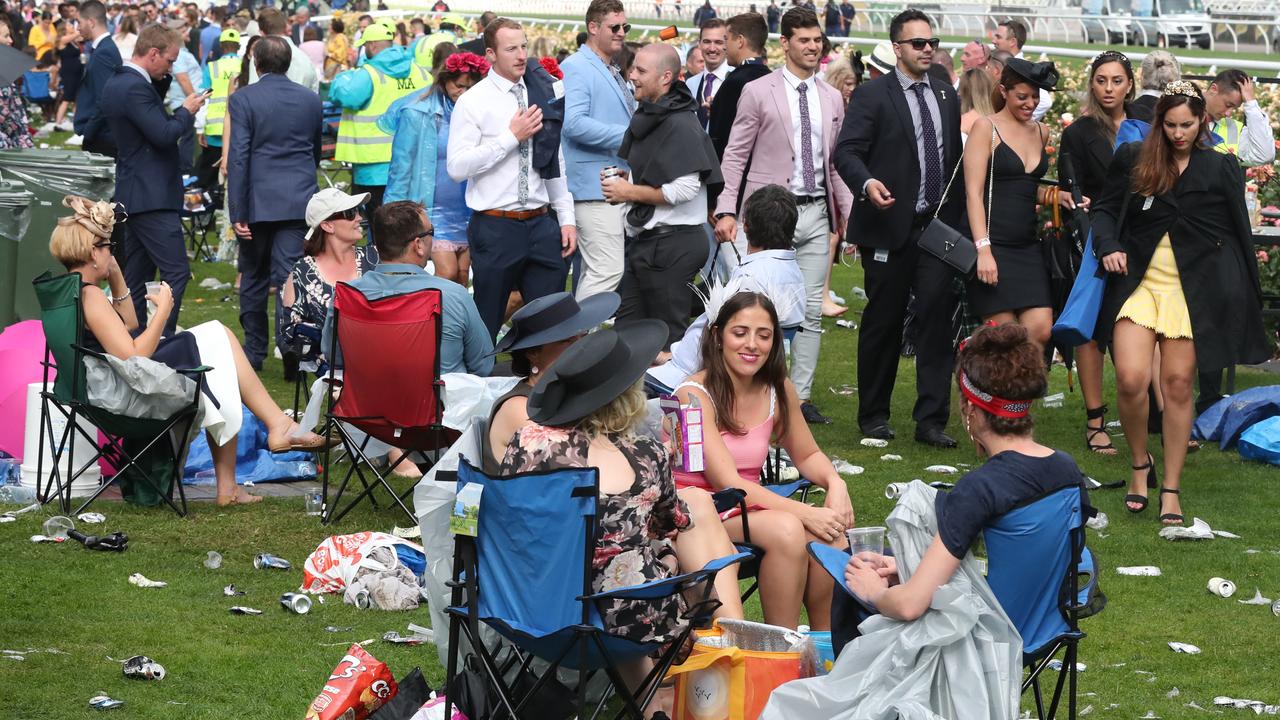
(668,586)
(727,498)
(198,370)
(786,490)
(834,560)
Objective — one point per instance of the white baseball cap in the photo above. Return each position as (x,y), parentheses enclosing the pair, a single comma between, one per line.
(329,202)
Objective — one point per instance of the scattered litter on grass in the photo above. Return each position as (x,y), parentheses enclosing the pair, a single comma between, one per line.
(335,629)
(1087,709)
(1199,530)
(1181,647)
(214,560)
(1225,534)
(242,610)
(1113,425)
(212,283)
(844,467)
(1221,587)
(7,518)
(231,591)
(848,324)
(141,667)
(1139,570)
(1194,706)
(843,389)
(102,702)
(362,642)
(1275,608)
(1257,599)
(419,636)
(409,533)
(1257,706)
(268,561)
(874,442)
(1252,551)
(91,518)
(141,581)
(1098,522)
(296,603)
(1053,401)
(358,685)
(1151,715)
(858,293)
(942,469)
(890,457)
(1175,692)
(19,658)
(1056,665)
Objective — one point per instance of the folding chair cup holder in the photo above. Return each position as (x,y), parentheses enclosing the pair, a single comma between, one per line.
(547,610)
(62,315)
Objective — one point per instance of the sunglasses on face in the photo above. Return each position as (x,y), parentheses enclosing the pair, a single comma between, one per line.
(625,28)
(425,234)
(108,244)
(921,43)
(351,214)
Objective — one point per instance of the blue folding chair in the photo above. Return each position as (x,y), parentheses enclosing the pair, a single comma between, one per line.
(527,575)
(1036,557)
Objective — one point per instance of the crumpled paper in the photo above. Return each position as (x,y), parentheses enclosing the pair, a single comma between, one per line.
(1198,530)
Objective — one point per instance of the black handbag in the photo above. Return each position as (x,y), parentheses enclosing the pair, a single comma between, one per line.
(945,242)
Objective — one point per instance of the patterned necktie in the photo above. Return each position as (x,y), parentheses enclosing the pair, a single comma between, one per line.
(806,140)
(704,113)
(622,85)
(523,192)
(932,163)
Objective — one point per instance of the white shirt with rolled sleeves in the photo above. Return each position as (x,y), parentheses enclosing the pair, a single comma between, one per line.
(485,153)
(1257,143)
(686,204)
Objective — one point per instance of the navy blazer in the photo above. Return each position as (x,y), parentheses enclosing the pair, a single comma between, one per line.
(275,149)
(103,63)
(147,174)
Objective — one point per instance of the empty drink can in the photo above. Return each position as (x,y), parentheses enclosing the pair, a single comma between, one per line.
(141,667)
(1222,587)
(270,561)
(893,491)
(296,603)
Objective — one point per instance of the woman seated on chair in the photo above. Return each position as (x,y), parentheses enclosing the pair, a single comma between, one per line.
(1000,371)
(748,403)
(585,412)
(82,243)
(540,332)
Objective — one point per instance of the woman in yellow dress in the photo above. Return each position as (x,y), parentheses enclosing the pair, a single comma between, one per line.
(1173,232)
(337,52)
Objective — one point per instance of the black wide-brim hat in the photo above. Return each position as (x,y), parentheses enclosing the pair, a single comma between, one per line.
(555,317)
(1043,75)
(594,371)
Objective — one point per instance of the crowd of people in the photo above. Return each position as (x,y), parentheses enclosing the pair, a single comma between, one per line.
(642,173)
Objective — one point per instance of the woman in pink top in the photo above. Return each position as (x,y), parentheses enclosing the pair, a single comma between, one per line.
(747,403)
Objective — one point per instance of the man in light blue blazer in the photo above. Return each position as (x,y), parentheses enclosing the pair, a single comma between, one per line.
(598,108)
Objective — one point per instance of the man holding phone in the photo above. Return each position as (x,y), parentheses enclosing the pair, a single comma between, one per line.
(271,174)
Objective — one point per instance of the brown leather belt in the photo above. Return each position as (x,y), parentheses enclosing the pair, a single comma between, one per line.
(516,214)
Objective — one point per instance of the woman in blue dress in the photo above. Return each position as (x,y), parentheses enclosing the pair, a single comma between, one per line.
(420,125)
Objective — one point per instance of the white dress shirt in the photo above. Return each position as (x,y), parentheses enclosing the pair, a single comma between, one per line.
(686,204)
(695,82)
(815,132)
(1257,143)
(301,69)
(485,153)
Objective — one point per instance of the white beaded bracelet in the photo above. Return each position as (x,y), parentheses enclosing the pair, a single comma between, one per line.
(121,298)
(981,243)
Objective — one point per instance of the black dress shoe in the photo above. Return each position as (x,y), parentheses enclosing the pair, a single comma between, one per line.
(811,414)
(879,431)
(934,437)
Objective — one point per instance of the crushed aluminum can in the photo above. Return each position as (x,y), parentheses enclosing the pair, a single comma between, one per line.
(1187,648)
(1257,599)
(242,610)
(1222,587)
(268,561)
(610,171)
(844,467)
(141,667)
(848,324)
(361,598)
(893,491)
(890,457)
(1139,571)
(942,469)
(410,533)
(92,518)
(874,442)
(1098,522)
(141,581)
(844,390)
(102,702)
(231,591)
(1056,666)
(296,603)
(1275,608)
(397,638)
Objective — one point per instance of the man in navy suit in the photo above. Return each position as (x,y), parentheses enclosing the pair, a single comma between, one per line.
(104,60)
(271,174)
(148,183)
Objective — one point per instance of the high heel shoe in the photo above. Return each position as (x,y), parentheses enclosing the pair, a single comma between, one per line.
(1142,500)
(1171,518)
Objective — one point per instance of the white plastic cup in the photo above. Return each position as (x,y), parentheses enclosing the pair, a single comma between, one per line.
(214,560)
(866,539)
(313,502)
(152,288)
(58,526)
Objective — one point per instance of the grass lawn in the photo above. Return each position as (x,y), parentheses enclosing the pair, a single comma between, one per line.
(220,665)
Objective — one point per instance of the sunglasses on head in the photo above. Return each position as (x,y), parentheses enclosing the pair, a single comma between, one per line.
(349,214)
(624,27)
(921,43)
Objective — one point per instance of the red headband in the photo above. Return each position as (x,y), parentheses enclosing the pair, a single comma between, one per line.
(992,404)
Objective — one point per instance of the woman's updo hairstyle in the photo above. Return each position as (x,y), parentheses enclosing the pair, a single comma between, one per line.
(1003,361)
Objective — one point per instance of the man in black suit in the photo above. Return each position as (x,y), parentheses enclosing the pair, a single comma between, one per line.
(898,147)
(271,174)
(744,44)
(104,60)
(148,183)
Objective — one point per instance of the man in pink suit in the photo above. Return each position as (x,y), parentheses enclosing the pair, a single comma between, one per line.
(785,133)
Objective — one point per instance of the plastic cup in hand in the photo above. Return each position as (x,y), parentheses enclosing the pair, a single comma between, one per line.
(152,289)
(214,560)
(313,502)
(58,526)
(866,539)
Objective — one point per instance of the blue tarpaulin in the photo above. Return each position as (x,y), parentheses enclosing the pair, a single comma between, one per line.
(254,463)
(1231,416)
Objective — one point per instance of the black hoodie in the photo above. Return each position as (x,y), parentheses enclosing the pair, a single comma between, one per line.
(665,142)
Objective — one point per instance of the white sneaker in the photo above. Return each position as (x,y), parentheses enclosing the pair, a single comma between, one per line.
(64,126)
(74,141)
(47,128)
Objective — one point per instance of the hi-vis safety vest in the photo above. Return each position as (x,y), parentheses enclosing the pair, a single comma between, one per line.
(359,140)
(221,71)
(426,46)
(1228,132)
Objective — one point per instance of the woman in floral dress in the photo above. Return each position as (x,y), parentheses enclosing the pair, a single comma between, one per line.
(13,111)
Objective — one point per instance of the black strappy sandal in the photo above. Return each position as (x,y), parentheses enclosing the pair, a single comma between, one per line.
(1098,413)
(1142,500)
(1171,518)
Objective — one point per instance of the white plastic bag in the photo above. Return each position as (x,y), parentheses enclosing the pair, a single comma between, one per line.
(138,387)
(339,558)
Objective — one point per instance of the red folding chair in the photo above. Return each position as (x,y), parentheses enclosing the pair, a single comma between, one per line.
(390,387)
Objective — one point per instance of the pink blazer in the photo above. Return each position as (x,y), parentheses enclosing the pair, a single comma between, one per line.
(762,130)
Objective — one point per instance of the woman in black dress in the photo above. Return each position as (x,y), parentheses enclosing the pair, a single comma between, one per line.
(1007,152)
(1089,143)
(1172,230)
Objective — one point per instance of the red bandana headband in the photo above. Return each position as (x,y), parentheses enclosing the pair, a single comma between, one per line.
(992,404)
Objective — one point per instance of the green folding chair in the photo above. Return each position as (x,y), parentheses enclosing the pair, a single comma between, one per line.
(147,451)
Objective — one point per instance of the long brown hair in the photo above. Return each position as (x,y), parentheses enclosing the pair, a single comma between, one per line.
(773,373)
(1093,108)
(1156,171)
